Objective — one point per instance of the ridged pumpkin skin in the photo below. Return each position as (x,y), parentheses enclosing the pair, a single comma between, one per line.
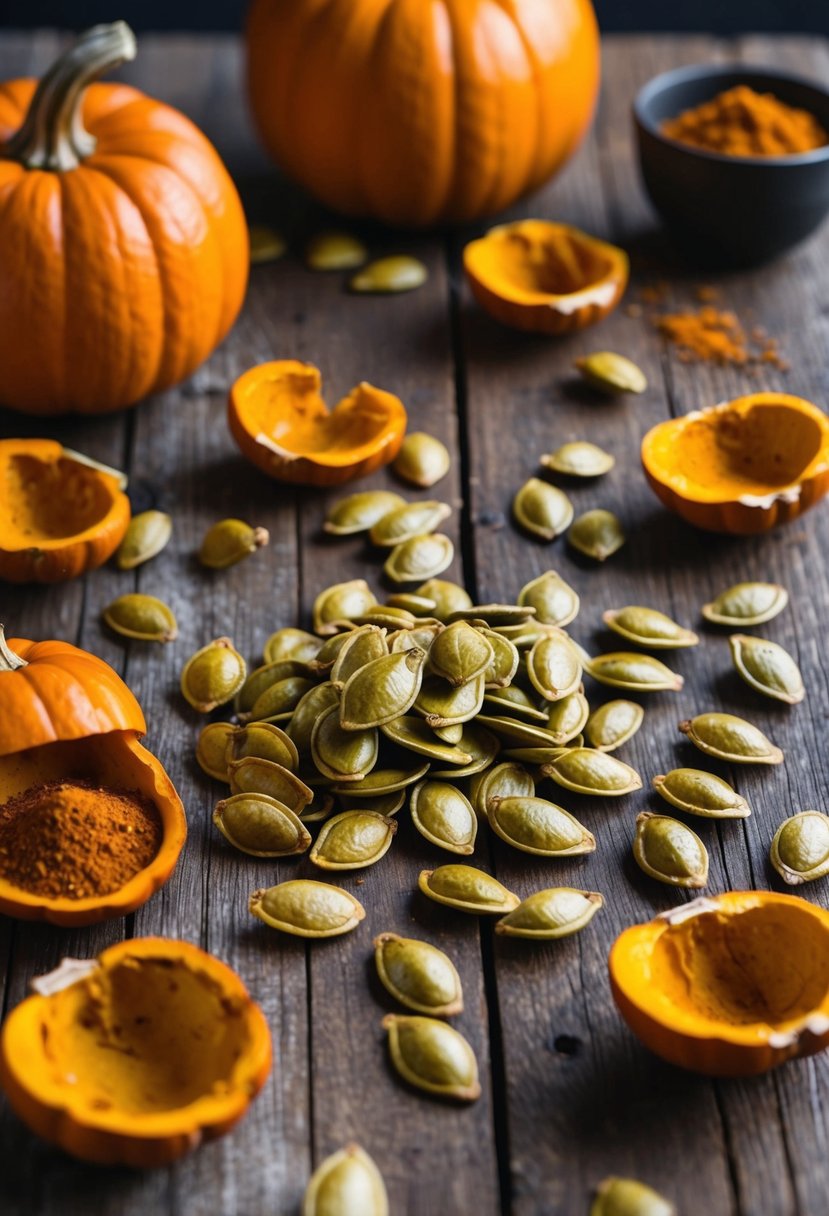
(684,982)
(61,516)
(117,277)
(418,112)
(214,1035)
(744,466)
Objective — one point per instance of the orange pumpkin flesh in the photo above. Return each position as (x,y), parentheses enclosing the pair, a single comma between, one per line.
(743,466)
(730,985)
(61,515)
(158,1047)
(544,277)
(281,423)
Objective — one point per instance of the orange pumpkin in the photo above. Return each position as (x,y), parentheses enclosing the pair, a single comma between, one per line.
(137,1056)
(123,245)
(417,112)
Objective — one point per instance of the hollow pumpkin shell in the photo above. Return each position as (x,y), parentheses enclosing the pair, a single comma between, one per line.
(141,1055)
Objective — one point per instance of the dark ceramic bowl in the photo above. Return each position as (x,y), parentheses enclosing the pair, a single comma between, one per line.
(731,209)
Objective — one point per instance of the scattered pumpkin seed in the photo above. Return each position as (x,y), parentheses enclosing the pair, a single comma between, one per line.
(320,807)
(433,1056)
(336,606)
(516,732)
(767,668)
(555,602)
(308,709)
(353,840)
(542,509)
(612,724)
(449,597)
(505,780)
(494,616)
(728,737)
(422,460)
(449,734)
(444,815)
(567,718)
(417,605)
(142,617)
(382,804)
(342,755)
(360,512)
(419,557)
(747,604)
(266,245)
(418,975)
(550,914)
(383,616)
(649,628)
(597,534)
(263,740)
(800,848)
(669,851)
(479,744)
(361,646)
(306,908)
(253,775)
(278,700)
(584,770)
(381,781)
(699,793)
(554,667)
(292,646)
(579,459)
(514,701)
(390,275)
(627,1197)
(263,678)
(504,662)
(261,826)
(460,653)
(334,251)
(467,889)
(211,749)
(442,705)
(213,675)
(633,672)
(347,1183)
(326,656)
(413,734)
(230,541)
(537,826)
(382,690)
(147,534)
(612,373)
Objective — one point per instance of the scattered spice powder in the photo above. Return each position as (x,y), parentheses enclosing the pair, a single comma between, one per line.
(741,122)
(75,840)
(713,335)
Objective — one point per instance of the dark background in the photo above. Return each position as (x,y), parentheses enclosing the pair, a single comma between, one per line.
(720,16)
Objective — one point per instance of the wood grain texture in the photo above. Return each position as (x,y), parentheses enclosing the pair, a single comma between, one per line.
(569,1096)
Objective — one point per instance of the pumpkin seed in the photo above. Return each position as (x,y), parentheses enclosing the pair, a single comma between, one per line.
(261,826)
(230,541)
(612,373)
(555,602)
(266,245)
(334,251)
(633,672)
(419,637)
(550,914)
(262,679)
(422,460)
(308,709)
(382,690)
(731,738)
(512,700)
(326,656)
(381,781)
(417,605)
(382,804)
(579,459)
(597,534)
(517,733)
(747,604)
(647,627)
(342,755)
(504,662)
(433,1057)
(264,741)
(699,793)
(211,749)
(567,717)
(449,734)
(534,825)
(612,724)
(418,975)
(800,848)
(306,908)
(501,781)
(253,775)
(291,646)
(340,604)
(360,512)
(449,597)
(279,700)
(142,617)
(669,851)
(627,1197)
(539,755)
(413,734)
(390,275)
(386,617)
(542,509)
(442,814)
(352,840)
(554,667)
(588,771)
(319,808)
(467,889)
(442,705)
(479,744)
(213,675)
(767,668)
(361,646)
(347,1183)
(460,653)
(495,616)
(145,537)
(419,557)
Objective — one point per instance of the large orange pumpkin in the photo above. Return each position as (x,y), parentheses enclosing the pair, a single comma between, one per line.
(123,245)
(421,111)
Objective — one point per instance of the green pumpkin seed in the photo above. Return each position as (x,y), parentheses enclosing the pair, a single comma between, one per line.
(266,245)
(747,604)
(419,557)
(516,732)
(503,665)
(550,914)
(612,724)
(419,637)
(669,851)
(649,628)
(145,537)
(263,740)
(433,1057)
(627,1197)
(555,602)
(767,668)
(213,675)
(449,597)
(597,534)
(383,616)
(389,275)
(800,848)
(362,646)
(495,616)
(408,521)
(326,656)
(587,771)
(460,653)
(554,667)
(142,617)
(501,781)
(633,672)
(417,605)
(442,814)
(339,754)
(538,755)
(334,251)
(442,705)
(479,744)
(382,781)
(360,512)
(467,889)
(337,606)
(230,541)
(534,825)
(422,460)
(353,840)
(253,775)
(211,749)
(512,700)
(542,509)
(418,975)
(261,826)
(347,1183)
(567,717)
(306,908)
(413,734)
(279,700)
(449,734)
(319,808)
(699,793)
(262,679)
(612,373)
(381,804)
(579,459)
(382,690)
(728,737)
(308,709)
(291,645)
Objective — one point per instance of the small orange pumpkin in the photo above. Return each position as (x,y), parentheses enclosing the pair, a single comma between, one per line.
(729,985)
(137,1056)
(281,423)
(123,245)
(417,113)
(62,513)
(744,466)
(65,714)
(545,277)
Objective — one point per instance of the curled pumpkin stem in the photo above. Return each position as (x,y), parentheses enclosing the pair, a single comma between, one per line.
(9,661)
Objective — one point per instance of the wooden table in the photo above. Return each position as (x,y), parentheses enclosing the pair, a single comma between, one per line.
(568,1095)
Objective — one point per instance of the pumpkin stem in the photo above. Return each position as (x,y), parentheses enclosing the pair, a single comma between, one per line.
(9,661)
(53,136)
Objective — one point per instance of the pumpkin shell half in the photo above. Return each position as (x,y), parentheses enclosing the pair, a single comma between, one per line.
(744,466)
(136,1057)
(62,514)
(281,423)
(730,985)
(545,277)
